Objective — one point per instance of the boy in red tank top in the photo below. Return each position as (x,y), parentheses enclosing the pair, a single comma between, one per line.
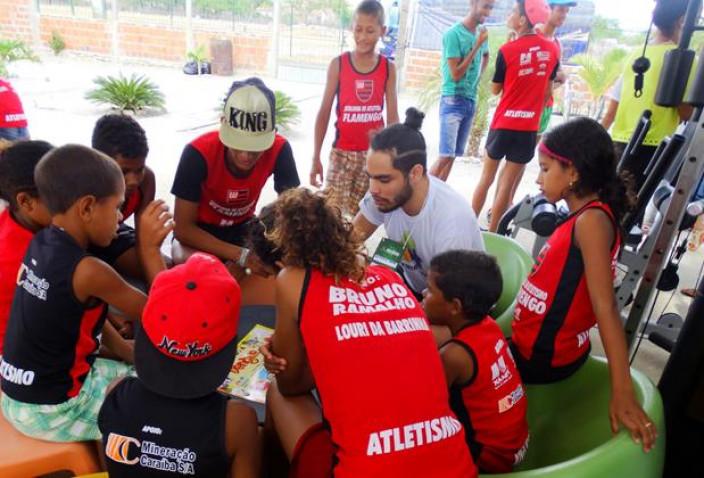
(25,215)
(123,139)
(360,81)
(486,392)
(525,70)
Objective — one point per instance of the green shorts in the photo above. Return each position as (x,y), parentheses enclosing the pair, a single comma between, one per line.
(74,420)
(545,119)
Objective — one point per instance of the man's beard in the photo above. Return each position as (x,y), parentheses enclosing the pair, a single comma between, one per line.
(400,199)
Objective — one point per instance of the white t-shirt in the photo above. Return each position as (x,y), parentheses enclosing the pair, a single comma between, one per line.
(446,222)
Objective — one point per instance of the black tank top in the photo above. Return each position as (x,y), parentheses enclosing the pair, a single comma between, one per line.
(148,435)
(52,339)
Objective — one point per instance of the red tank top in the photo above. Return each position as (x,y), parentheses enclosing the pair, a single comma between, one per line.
(530,61)
(226,200)
(554,312)
(492,406)
(380,379)
(131,204)
(360,103)
(11,111)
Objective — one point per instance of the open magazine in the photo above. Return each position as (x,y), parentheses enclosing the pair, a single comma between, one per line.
(248,378)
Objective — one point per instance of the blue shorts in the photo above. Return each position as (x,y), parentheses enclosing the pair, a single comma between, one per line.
(13,134)
(456,114)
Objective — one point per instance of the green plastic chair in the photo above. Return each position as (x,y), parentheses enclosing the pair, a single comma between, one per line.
(570,432)
(515,264)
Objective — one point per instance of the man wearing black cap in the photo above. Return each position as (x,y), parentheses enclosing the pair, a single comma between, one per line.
(170,418)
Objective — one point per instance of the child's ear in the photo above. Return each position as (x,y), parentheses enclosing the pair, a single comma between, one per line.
(25,201)
(86,207)
(456,306)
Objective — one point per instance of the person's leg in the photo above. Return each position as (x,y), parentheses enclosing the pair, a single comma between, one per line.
(509,176)
(14,134)
(291,417)
(489,168)
(462,135)
(450,119)
(337,182)
(359,182)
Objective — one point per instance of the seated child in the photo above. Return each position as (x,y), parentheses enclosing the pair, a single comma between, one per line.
(570,288)
(123,139)
(486,392)
(52,382)
(183,352)
(24,216)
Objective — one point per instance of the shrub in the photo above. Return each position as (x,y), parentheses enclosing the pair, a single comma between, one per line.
(14,50)
(57,43)
(135,93)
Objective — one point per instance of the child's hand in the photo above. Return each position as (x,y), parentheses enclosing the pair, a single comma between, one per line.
(255,264)
(155,223)
(316,173)
(624,409)
(272,363)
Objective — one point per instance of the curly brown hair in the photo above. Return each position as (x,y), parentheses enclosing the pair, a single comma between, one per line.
(312,233)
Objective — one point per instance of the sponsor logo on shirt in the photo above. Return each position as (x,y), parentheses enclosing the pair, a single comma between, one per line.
(15,117)
(582,338)
(237,195)
(364,89)
(543,55)
(526,58)
(31,283)
(519,113)
(150,455)
(16,375)
(507,403)
(500,374)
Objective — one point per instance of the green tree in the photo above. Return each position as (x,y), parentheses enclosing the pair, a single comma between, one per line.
(600,73)
(603,28)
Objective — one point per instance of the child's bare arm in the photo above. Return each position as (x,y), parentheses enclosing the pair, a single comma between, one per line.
(458,364)
(94,278)
(287,343)
(322,120)
(113,341)
(391,96)
(148,188)
(155,223)
(594,234)
(243,440)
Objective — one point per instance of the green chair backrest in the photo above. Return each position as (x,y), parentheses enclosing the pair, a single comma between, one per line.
(570,432)
(515,264)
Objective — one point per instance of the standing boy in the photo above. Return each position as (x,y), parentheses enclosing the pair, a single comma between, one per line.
(558,14)
(525,69)
(465,54)
(360,80)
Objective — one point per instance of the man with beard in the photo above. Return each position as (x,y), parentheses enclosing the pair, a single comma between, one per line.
(422,215)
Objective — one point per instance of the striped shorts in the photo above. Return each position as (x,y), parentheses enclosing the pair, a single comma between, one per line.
(73,420)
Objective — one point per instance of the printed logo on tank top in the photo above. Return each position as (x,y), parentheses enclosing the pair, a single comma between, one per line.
(364,89)
(500,374)
(510,400)
(131,451)
(237,196)
(31,283)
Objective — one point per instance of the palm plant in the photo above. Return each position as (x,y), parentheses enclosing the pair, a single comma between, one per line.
(287,111)
(599,74)
(127,94)
(198,56)
(14,50)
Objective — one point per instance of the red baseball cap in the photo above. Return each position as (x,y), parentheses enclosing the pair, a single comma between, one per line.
(188,336)
(537,11)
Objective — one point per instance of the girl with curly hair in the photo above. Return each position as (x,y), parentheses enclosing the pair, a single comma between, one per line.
(355,333)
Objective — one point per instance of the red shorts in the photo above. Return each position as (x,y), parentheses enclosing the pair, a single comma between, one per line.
(313,455)
(493,460)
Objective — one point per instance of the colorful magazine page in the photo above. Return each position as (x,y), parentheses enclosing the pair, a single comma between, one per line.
(248,379)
